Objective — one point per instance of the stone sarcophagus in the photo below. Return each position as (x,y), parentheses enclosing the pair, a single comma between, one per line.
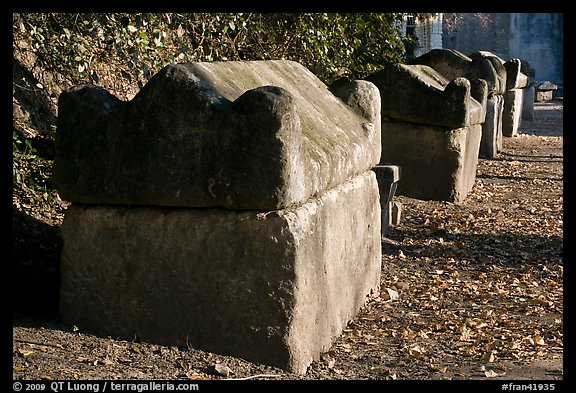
(485,65)
(517,83)
(431,128)
(544,91)
(228,205)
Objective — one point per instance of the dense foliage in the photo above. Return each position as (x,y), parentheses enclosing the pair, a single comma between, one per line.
(325,43)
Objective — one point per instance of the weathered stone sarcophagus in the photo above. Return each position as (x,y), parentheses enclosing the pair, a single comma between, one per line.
(544,91)
(485,65)
(517,82)
(431,128)
(228,205)
(529,92)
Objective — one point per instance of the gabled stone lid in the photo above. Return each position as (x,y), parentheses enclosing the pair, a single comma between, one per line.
(546,85)
(453,64)
(236,134)
(515,79)
(419,94)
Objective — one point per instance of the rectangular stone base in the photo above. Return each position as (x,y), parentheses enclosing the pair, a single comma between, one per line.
(491,141)
(528,103)
(437,163)
(512,114)
(271,287)
(544,95)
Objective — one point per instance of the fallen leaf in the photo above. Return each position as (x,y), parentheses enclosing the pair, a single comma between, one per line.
(481,325)
(107,362)
(492,374)
(401,286)
(408,333)
(528,341)
(488,357)
(416,352)
(389,294)
(539,341)
(195,376)
(465,334)
(25,352)
(222,369)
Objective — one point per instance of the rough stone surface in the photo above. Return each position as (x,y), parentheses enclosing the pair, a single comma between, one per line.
(494,73)
(271,287)
(544,95)
(491,141)
(395,212)
(431,128)
(453,64)
(528,102)
(419,94)
(479,65)
(544,91)
(236,134)
(516,81)
(362,96)
(512,113)
(515,78)
(388,177)
(547,85)
(437,163)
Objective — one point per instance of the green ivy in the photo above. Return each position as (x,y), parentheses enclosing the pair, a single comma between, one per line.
(329,44)
(30,173)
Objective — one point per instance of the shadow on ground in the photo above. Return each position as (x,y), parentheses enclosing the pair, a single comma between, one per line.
(36,250)
(505,248)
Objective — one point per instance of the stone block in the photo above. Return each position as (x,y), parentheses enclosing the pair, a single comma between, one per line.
(544,95)
(516,81)
(496,74)
(512,113)
(453,64)
(431,128)
(419,94)
(271,287)
(234,134)
(395,212)
(484,65)
(528,102)
(388,177)
(544,91)
(438,163)
(491,141)
(515,78)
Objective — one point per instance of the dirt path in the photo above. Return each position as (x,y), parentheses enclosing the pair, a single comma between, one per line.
(470,291)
